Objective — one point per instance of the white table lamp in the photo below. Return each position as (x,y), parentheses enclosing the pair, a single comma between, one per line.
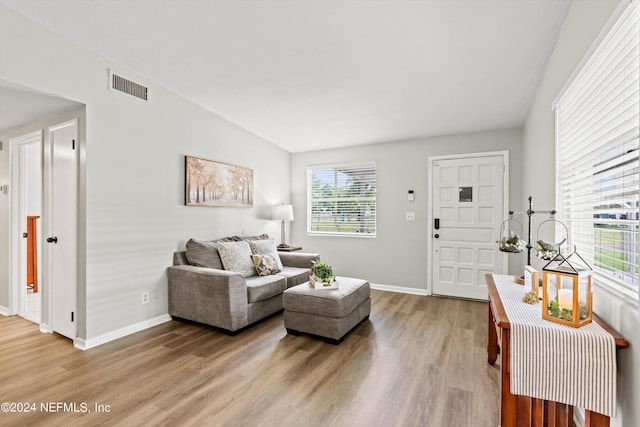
(282,213)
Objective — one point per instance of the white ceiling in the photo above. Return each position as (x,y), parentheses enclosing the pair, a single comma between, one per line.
(309,75)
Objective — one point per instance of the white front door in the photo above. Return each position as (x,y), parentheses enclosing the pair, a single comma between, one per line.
(468,207)
(61,233)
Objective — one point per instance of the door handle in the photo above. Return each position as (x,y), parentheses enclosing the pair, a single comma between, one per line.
(436,223)
(437,236)
(25,235)
(53,239)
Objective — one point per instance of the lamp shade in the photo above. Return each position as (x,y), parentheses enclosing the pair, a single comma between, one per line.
(282,213)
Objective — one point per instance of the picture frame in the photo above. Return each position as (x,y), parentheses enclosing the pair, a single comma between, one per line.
(215,184)
(531,279)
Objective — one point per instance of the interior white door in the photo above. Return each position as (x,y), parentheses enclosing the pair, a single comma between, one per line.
(468,206)
(61,238)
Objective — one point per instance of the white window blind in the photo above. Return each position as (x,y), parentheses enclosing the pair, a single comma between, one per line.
(597,128)
(342,199)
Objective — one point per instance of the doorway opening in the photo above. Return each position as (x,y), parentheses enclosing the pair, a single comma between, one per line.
(26,216)
(47,290)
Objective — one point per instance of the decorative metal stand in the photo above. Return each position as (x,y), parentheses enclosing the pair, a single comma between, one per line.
(530,212)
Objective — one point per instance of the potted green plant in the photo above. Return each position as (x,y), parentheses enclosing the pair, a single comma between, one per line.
(321,274)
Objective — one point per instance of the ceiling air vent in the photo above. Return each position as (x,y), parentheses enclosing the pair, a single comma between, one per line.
(127,86)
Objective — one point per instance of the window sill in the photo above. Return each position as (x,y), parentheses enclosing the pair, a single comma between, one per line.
(356,235)
(616,290)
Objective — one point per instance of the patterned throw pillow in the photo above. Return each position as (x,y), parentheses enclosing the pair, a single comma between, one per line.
(236,256)
(265,264)
(267,246)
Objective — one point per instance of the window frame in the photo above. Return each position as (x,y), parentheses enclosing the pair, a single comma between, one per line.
(310,199)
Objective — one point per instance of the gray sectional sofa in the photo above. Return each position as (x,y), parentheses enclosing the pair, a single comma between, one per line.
(201,289)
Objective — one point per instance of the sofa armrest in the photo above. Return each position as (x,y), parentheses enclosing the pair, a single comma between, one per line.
(206,295)
(298,259)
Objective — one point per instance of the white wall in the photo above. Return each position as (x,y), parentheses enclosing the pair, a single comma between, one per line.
(398,255)
(585,20)
(134,196)
(34,179)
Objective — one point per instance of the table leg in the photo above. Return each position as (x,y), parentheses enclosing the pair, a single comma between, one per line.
(492,340)
(508,401)
(593,419)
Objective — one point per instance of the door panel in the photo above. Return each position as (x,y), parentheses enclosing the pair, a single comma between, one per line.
(468,200)
(63,227)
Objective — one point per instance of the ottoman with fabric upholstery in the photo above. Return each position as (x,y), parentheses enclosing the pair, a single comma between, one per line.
(329,313)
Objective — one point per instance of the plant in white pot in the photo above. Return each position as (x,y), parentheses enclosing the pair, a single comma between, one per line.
(322,276)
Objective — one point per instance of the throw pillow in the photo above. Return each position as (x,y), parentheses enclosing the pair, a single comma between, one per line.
(265,264)
(236,256)
(267,246)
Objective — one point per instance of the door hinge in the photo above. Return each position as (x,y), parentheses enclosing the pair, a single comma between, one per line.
(72,316)
(73,144)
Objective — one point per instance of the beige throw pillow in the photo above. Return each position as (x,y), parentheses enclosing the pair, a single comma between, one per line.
(236,256)
(265,264)
(267,246)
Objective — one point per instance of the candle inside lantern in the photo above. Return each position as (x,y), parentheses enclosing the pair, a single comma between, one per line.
(565,299)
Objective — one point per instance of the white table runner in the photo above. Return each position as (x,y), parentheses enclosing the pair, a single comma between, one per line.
(575,366)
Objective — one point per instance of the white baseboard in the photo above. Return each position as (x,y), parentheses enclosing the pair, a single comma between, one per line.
(46,329)
(119,333)
(412,291)
(5,310)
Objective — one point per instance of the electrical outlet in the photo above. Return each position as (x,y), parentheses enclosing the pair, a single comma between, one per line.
(145,297)
(411,216)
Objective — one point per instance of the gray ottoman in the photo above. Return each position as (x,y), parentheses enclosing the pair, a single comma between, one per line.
(329,313)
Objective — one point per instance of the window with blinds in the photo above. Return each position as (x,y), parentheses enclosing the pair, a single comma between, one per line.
(342,199)
(597,127)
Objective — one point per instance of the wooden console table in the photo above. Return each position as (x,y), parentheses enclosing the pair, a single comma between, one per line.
(522,411)
(289,248)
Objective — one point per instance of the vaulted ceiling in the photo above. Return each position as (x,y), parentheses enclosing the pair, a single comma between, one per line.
(309,75)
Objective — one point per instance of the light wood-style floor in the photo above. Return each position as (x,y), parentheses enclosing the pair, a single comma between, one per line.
(418,361)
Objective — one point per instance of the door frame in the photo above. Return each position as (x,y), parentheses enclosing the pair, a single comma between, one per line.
(505,202)
(17,261)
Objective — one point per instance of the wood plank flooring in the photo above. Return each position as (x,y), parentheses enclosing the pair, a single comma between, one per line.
(418,361)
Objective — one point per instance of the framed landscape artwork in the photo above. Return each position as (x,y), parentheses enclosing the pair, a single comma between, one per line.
(215,184)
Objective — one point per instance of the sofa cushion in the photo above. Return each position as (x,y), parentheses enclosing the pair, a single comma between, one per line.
(265,264)
(236,256)
(267,246)
(294,275)
(260,288)
(203,253)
